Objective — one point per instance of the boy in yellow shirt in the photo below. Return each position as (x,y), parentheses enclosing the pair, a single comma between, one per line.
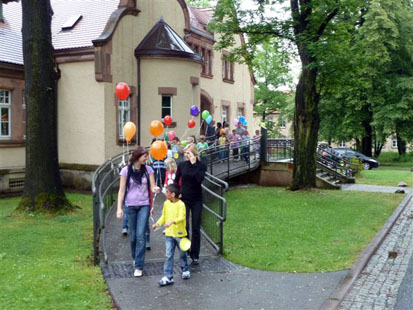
(174,220)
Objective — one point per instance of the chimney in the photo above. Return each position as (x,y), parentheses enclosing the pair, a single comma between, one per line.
(126,4)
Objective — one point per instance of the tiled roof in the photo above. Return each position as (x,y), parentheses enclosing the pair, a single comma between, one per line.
(200,17)
(95,14)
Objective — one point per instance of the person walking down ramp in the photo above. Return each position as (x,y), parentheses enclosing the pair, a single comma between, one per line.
(173,219)
(190,175)
(135,192)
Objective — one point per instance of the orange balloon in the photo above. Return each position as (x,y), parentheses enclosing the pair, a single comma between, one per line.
(156,128)
(129,130)
(159,150)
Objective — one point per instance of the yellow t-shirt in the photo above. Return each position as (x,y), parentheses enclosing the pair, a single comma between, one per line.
(174,211)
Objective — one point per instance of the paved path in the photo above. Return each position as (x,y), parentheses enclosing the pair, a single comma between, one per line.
(378,285)
(215,284)
(374,188)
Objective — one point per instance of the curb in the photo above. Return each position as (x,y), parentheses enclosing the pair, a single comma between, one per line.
(344,287)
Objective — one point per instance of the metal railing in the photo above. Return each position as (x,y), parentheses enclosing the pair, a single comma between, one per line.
(231,159)
(105,186)
(279,150)
(214,211)
(339,164)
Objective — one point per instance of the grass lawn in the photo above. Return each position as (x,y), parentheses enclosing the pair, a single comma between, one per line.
(270,228)
(45,261)
(388,175)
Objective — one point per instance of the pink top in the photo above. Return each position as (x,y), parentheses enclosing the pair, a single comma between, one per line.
(137,195)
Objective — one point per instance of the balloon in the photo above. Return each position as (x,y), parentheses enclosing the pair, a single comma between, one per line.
(205,114)
(235,122)
(242,119)
(191,123)
(194,110)
(159,150)
(156,128)
(129,130)
(167,120)
(184,143)
(208,119)
(165,136)
(122,90)
(171,135)
(244,123)
(176,155)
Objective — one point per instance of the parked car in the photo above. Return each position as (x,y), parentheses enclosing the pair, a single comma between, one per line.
(368,162)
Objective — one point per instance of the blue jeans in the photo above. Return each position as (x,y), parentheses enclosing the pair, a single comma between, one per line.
(147,231)
(125,221)
(168,266)
(138,220)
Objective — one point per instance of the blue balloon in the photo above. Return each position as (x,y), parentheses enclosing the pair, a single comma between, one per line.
(242,119)
(194,110)
(208,119)
(244,123)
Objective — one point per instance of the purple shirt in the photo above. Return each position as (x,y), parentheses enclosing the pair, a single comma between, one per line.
(138,195)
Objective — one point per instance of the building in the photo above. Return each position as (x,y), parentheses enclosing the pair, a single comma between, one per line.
(160,48)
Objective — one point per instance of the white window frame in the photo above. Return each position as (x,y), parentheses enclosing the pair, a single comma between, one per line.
(343,143)
(123,106)
(240,112)
(224,114)
(4,93)
(394,142)
(170,107)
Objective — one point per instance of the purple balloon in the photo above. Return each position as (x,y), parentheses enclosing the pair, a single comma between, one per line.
(194,110)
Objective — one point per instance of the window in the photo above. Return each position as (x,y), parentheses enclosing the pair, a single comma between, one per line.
(394,143)
(227,71)
(343,144)
(240,112)
(224,114)
(207,61)
(166,106)
(124,115)
(5,110)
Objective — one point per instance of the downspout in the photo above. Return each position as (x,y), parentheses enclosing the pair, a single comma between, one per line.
(138,118)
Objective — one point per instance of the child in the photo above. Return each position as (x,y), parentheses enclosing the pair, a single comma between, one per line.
(222,141)
(174,220)
(245,151)
(202,145)
(235,139)
(170,164)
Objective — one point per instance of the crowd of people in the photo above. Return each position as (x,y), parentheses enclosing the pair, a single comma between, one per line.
(144,177)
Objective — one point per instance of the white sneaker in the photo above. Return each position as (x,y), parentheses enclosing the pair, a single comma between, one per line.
(124,231)
(137,273)
(186,275)
(166,281)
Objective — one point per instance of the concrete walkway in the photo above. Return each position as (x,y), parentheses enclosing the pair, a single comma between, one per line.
(215,284)
(374,188)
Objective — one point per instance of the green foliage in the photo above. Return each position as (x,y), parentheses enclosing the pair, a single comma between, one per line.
(200,3)
(46,260)
(273,229)
(387,176)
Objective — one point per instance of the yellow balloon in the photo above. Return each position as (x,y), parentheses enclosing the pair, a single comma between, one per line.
(176,155)
(129,130)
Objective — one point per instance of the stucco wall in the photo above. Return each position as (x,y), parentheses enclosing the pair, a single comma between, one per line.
(241,91)
(129,33)
(12,157)
(80,115)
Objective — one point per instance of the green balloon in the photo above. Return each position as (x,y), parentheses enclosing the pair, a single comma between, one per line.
(183,143)
(166,137)
(205,114)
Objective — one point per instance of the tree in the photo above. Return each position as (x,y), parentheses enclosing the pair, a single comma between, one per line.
(43,189)
(313,24)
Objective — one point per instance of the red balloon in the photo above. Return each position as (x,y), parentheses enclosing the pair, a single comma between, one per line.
(122,91)
(167,120)
(191,123)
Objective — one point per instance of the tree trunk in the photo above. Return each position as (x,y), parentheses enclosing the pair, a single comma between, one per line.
(367,140)
(42,180)
(401,145)
(306,126)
